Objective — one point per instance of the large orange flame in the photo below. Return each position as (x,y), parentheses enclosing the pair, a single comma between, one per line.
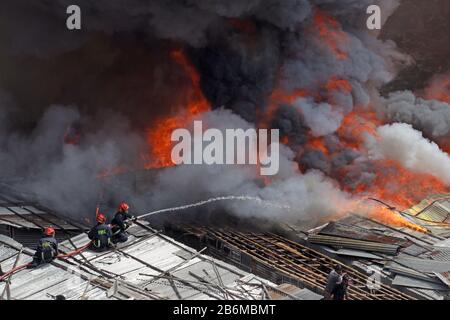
(393,183)
(355,126)
(400,186)
(389,217)
(159,136)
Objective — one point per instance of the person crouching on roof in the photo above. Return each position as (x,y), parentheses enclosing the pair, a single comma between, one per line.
(47,248)
(120,223)
(101,234)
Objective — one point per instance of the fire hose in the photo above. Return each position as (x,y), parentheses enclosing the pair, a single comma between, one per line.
(201,203)
(12,271)
(59,256)
(217,199)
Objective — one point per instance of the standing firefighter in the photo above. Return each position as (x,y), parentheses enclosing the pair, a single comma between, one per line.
(334,279)
(101,234)
(121,223)
(340,290)
(47,248)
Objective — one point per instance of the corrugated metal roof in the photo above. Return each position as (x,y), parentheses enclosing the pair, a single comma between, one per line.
(138,269)
(16,210)
(415,210)
(286,291)
(33,218)
(414,250)
(403,270)
(424,265)
(339,242)
(440,254)
(341,229)
(358,254)
(444,277)
(405,281)
(416,262)
(435,209)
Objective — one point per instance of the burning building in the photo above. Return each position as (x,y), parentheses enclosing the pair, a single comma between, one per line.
(87,116)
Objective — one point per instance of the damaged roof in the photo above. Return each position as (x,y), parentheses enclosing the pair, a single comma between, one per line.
(419,266)
(435,209)
(148,266)
(21,214)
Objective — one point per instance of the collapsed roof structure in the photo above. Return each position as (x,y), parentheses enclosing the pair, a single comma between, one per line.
(149,266)
(24,220)
(383,261)
(413,261)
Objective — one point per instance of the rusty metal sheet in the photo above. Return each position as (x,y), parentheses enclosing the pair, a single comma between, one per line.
(444,277)
(358,233)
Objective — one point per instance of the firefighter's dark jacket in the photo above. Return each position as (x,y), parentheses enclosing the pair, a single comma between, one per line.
(46,244)
(100,232)
(119,220)
(47,241)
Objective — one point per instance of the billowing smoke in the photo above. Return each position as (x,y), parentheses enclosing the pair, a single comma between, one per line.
(61,168)
(79,105)
(438,88)
(320,118)
(430,116)
(303,193)
(400,142)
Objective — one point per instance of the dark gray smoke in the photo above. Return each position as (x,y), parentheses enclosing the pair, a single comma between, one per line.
(117,75)
(430,116)
(61,170)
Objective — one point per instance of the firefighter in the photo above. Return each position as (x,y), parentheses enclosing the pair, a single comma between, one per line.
(121,222)
(340,291)
(47,248)
(334,279)
(101,234)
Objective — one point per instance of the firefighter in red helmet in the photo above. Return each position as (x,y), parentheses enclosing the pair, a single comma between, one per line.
(121,222)
(100,234)
(47,248)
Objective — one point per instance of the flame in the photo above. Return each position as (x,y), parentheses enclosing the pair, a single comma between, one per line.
(276,98)
(335,83)
(355,126)
(444,144)
(72,135)
(377,212)
(389,217)
(439,89)
(393,183)
(400,186)
(279,96)
(318,144)
(330,32)
(159,136)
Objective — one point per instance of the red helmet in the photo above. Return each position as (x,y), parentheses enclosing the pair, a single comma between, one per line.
(123,206)
(49,231)
(101,218)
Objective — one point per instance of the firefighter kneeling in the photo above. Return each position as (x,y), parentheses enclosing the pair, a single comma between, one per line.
(47,249)
(101,234)
(121,222)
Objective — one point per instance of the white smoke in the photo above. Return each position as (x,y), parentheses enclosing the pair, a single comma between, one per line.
(400,142)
